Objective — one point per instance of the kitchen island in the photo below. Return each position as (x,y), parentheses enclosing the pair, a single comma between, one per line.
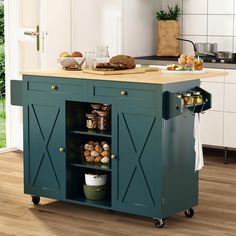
(151,169)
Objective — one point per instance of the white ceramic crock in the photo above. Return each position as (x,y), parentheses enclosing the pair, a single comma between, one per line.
(95,180)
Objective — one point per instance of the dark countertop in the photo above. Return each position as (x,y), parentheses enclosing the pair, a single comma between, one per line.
(163,61)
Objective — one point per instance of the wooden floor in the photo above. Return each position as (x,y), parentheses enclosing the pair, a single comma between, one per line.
(215,215)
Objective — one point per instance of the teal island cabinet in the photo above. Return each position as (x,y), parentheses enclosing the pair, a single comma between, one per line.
(151,170)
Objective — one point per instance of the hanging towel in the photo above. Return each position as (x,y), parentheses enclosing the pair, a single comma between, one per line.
(199,162)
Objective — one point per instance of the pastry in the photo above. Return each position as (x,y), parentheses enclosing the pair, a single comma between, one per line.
(90,147)
(87,153)
(190,57)
(94,154)
(105,153)
(105,160)
(190,62)
(106,147)
(98,149)
(76,54)
(98,159)
(86,146)
(90,159)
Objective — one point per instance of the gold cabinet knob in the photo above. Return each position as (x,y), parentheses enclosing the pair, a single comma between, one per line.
(123,93)
(113,157)
(53,87)
(62,149)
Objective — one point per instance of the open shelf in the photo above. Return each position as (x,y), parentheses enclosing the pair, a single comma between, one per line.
(102,203)
(95,166)
(92,132)
(77,136)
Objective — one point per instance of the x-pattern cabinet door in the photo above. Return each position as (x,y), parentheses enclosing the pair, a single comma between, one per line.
(136,159)
(45,159)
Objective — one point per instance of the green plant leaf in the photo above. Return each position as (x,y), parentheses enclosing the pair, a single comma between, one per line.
(173,13)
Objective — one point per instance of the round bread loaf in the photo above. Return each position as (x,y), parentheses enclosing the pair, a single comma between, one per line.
(122,62)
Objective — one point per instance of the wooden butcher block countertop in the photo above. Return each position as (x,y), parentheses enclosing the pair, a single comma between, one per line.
(151,77)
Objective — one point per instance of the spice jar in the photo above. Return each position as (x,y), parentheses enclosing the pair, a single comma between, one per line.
(103,120)
(106,107)
(187,98)
(197,97)
(96,106)
(91,121)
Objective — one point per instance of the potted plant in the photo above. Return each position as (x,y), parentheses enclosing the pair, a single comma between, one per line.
(168,29)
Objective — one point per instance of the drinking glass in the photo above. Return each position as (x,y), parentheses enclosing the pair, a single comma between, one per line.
(102,55)
(89,60)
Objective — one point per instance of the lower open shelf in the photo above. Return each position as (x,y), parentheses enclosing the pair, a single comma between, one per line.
(82,200)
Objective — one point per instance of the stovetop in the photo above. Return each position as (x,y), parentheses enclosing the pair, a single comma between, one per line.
(208,59)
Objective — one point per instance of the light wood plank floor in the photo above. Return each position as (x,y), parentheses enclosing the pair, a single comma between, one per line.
(215,215)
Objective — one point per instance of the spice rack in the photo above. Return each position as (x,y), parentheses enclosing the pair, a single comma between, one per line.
(176,106)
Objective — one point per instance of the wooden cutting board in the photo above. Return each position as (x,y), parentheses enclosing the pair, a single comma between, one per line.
(122,72)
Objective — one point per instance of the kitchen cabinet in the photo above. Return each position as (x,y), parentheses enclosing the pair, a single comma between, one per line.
(151,172)
(229,129)
(230,92)
(219,79)
(231,77)
(44,154)
(217,92)
(222,114)
(212,128)
(136,147)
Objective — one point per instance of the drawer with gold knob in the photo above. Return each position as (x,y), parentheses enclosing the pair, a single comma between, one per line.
(123,91)
(54,87)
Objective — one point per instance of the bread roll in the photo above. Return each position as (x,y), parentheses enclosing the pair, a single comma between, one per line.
(190,57)
(76,54)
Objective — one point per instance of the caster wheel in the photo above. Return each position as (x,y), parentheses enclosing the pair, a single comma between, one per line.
(35,200)
(111,211)
(159,223)
(189,212)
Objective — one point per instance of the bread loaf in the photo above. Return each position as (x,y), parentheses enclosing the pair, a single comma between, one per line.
(122,62)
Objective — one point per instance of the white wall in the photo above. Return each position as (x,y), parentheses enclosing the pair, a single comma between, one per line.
(125,26)
(97,22)
(140,27)
(211,21)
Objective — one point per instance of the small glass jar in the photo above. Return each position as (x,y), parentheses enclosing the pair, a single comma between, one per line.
(106,107)
(91,121)
(96,106)
(187,98)
(197,97)
(198,64)
(103,120)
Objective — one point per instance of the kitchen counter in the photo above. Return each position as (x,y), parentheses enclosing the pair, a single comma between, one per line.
(148,77)
(163,61)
